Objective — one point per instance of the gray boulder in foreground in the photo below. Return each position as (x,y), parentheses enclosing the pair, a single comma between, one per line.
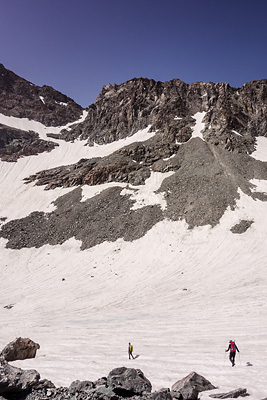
(191,385)
(231,395)
(20,349)
(128,381)
(14,379)
(81,386)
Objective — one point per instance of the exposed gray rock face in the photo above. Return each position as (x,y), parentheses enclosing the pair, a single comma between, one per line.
(121,110)
(131,164)
(128,381)
(81,386)
(20,349)
(92,221)
(191,385)
(14,379)
(242,226)
(231,395)
(15,143)
(22,99)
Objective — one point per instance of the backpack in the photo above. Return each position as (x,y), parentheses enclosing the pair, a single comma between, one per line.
(232,348)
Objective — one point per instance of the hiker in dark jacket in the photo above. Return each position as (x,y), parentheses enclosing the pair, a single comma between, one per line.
(232,347)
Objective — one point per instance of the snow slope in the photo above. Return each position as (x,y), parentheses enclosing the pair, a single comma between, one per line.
(178,295)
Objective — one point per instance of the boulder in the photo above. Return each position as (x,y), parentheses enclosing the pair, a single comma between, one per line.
(14,379)
(101,381)
(191,385)
(176,395)
(104,393)
(231,395)
(44,384)
(161,395)
(20,349)
(81,386)
(128,382)
(187,392)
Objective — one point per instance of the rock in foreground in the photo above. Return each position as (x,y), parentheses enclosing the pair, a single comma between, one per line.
(128,382)
(20,349)
(191,385)
(15,380)
(231,395)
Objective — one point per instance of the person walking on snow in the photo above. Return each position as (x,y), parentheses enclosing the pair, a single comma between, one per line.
(130,351)
(232,347)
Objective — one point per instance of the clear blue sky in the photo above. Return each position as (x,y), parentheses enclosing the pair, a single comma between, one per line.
(77,46)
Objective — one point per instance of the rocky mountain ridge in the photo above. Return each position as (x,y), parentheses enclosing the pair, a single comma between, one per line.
(22,99)
(206,173)
(233,116)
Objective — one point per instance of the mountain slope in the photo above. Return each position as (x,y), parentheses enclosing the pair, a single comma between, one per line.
(152,237)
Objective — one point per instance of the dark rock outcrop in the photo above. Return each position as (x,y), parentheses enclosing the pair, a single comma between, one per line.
(15,143)
(234,394)
(121,383)
(234,116)
(81,386)
(20,349)
(92,221)
(22,99)
(191,385)
(131,164)
(127,382)
(15,380)
(242,226)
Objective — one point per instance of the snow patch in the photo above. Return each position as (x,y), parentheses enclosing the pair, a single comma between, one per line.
(260,185)
(166,159)
(236,133)
(144,195)
(199,126)
(42,99)
(30,125)
(61,103)
(90,191)
(261,149)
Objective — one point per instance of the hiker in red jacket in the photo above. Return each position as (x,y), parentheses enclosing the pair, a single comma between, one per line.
(232,347)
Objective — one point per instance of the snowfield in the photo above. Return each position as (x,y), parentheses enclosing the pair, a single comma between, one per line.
(178,295)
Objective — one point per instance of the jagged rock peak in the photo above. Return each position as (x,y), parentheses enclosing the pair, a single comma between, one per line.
(22,99)
(121,110)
